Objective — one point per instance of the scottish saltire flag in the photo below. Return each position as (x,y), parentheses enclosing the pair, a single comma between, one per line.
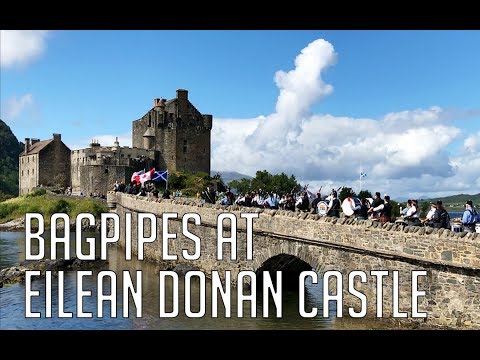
(136,176)
(362,174)
(160,176)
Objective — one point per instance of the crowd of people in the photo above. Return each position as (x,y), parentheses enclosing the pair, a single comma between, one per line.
(146,189)
(378,208)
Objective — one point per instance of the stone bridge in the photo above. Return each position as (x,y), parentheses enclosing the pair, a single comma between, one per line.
(293,242)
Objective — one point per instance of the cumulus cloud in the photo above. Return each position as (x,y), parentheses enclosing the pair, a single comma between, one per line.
(404,153)
(472,143)
(21,47)
(13,107)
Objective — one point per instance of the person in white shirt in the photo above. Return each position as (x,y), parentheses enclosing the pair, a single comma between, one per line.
(413,215)
(428,220)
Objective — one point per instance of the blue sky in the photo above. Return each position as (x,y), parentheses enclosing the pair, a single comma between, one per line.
(402,106)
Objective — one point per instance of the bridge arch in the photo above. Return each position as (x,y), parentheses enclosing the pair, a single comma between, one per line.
(290,258)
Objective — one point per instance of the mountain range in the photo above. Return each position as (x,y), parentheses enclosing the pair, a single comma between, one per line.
(228,176)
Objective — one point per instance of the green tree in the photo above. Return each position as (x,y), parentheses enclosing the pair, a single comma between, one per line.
(177,180)
(425,206)
(243,185)
(10,148)
(395,208)
(346,192)
(363,194)
(264,180)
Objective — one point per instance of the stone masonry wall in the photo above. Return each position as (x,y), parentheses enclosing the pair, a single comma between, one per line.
(452,260)
(54,165)
(28,173)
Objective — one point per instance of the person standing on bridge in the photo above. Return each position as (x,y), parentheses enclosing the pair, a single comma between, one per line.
(470,217)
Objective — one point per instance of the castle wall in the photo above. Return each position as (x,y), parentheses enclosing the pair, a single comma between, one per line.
(95,169)
(54,165)
(27,173)
(99,179)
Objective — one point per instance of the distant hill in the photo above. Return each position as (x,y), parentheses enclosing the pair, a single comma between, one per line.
(457,201)
(10,148)
(228,176)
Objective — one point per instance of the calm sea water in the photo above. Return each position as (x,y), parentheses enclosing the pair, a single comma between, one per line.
(455,214)
(12,301)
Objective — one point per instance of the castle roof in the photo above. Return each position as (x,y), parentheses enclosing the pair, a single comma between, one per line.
(36,148)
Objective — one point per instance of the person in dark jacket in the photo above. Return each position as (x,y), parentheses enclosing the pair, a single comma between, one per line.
(377,201)
(334,206)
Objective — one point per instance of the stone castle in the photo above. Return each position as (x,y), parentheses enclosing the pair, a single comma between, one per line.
(173,136)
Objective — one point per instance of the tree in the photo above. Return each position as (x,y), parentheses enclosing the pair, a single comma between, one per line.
(243,185)
(346,192)
(424,208)
(363,194)
(395,208)
(279,183)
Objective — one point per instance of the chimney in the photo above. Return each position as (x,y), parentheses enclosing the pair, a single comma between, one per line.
(27,145)
(34,141)
(57,137)
(159,104)
(182,95)
(94,143)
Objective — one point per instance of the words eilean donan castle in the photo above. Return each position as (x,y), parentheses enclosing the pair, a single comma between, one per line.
(173,135)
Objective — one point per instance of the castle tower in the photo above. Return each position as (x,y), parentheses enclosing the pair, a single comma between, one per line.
(178,133)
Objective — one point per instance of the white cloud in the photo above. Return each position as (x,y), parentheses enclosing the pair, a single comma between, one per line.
(21,47)
(403,153)
(472,143)
(14,106)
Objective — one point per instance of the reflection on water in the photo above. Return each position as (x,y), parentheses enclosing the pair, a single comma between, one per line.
(12,299)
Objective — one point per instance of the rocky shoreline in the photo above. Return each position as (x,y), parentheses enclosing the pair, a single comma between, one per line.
(15,274)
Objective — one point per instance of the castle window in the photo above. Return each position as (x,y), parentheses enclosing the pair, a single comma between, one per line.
(106,170)
(33,171)
(28,172)
(149,120)
(22,172)
(122,155)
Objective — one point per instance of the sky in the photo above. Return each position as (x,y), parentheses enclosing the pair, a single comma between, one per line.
(401,106)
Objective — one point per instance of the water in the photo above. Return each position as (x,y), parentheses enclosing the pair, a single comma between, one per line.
(13,305)
(455,214)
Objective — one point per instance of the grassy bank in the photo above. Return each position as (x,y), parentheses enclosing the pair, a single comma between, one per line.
(40,202)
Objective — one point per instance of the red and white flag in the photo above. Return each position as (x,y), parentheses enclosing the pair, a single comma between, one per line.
(136,176)
(147,176)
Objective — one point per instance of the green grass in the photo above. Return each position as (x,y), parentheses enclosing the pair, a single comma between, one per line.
(47,205)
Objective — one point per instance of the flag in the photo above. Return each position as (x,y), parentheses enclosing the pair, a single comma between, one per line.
(311,196)
(160,176)
(147,176)
(136,176)
(362,174)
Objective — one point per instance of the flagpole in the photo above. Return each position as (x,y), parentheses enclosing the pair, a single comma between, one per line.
(166,182)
